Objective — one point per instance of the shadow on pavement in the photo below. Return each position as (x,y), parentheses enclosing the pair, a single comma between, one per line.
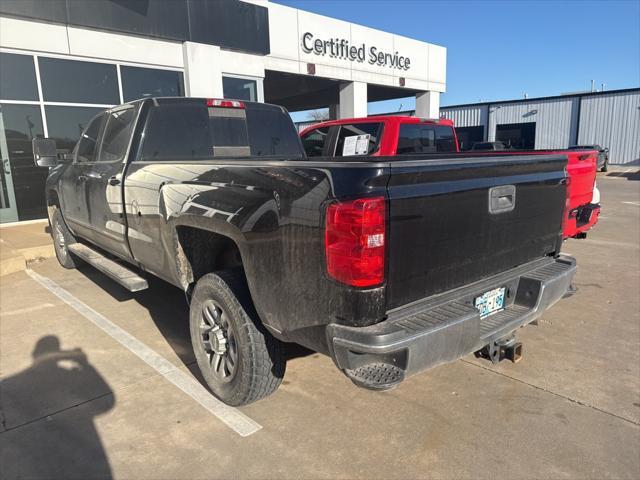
(628,175)
(64,445)
(168,308)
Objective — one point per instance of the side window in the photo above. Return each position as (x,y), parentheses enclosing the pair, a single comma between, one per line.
(86,149)
(358,139)
(177,132)
(278,139)
(314,141)
(117,134)
(445,141)
(416,138)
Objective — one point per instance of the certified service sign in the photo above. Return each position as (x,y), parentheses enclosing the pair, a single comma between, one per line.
(340,48)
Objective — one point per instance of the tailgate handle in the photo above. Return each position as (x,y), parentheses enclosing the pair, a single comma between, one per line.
(502,199)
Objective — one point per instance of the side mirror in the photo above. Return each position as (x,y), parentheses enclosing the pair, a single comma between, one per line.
(44,152)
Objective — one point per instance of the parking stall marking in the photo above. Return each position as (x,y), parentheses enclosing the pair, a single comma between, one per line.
(230,416)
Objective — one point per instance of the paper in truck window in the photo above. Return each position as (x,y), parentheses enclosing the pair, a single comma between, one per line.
(355,145)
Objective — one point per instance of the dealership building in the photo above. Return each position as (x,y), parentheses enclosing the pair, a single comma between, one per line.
(61,61)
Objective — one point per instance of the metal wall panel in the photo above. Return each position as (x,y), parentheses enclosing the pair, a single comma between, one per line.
(471,116)
(556,120)
(612,121)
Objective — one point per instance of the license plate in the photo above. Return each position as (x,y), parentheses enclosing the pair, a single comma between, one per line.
(490,302)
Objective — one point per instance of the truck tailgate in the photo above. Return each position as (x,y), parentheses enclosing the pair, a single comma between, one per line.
(442,234)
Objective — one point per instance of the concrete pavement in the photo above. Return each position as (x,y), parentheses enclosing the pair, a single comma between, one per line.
(22,243)
(77,404)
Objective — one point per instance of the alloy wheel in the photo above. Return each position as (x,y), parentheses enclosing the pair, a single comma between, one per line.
(218,340)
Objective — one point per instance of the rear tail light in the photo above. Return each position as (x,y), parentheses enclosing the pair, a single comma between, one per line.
(355,241)
(217,102)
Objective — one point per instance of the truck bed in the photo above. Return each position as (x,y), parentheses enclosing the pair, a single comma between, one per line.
(440,232)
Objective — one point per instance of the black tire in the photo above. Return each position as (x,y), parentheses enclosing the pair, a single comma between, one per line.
(605,167)
(62,238)
(259,365)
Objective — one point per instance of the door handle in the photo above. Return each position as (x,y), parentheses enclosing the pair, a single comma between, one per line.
(114,181)
(6,167)
(82,178)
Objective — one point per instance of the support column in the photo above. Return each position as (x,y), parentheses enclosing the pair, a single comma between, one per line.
(333,111)
(353,100)
(428,105)
(202,73)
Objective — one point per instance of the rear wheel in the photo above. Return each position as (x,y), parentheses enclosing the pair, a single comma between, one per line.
(62,238)
(240,361)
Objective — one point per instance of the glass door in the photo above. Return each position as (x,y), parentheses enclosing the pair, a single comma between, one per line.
(8,210)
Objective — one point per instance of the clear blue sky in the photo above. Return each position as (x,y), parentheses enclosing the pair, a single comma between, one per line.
(499,50)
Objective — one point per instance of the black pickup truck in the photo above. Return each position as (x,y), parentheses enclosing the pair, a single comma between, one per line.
(389,265)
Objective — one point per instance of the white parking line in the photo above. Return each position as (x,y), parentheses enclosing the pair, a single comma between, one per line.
(637,204)
(233,418)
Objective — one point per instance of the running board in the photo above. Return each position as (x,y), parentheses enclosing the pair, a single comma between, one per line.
(125,277)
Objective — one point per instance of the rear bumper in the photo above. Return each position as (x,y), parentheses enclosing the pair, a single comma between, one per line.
(581,220)
(446,327)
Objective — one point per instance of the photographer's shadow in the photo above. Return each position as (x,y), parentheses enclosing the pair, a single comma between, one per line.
(49,411)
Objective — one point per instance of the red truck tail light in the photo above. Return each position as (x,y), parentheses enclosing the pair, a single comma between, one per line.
(217,102)
(355,241)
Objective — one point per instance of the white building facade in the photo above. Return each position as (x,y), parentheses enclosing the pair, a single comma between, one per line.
(61,62)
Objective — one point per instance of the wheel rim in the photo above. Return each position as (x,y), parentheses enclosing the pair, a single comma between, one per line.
(218,340)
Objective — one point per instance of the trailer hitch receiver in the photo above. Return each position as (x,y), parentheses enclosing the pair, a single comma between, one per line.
(500,349)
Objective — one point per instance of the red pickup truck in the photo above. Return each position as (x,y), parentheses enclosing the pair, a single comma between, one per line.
(402,135)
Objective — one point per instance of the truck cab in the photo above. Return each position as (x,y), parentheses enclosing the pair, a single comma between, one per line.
(380,136)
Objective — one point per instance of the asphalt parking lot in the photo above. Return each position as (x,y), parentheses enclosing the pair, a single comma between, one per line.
(76,403)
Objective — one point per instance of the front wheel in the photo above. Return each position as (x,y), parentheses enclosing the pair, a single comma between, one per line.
(239,359)
(62,238)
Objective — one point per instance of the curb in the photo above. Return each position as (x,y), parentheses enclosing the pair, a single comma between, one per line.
(18,259)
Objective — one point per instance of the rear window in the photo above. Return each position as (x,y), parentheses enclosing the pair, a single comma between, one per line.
(176,132)
(358,139)
(424,138)
(272,133)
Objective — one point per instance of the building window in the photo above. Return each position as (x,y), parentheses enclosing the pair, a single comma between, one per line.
(521,136)
(78,82)
(240,88)
(66,124)
(17,77)
(66,84)
(150,82)
(22,123)
(468,136)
